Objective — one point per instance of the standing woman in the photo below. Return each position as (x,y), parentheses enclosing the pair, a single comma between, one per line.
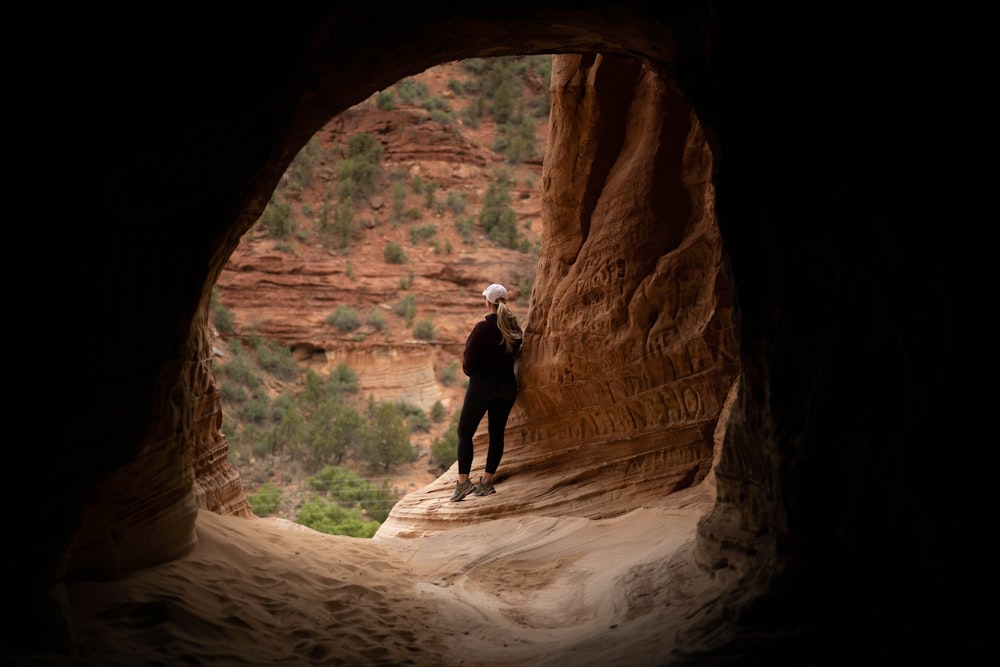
(488,360)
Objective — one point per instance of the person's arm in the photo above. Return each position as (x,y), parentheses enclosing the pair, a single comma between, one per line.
(473,350)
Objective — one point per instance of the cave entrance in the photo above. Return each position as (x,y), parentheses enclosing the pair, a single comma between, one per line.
(369,259)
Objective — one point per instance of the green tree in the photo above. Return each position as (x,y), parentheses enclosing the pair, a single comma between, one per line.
(287,424)
(313,389)
(335,430)
(389,441)
(321,446)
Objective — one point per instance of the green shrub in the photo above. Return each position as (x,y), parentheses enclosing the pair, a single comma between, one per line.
(517,140)
(302,170)
(393,253)
(265,500)
(474,65)
(412,91)
(376,319)
(448,373)
(444,451)
(338,482)
(439,106)
(344,318)
(437,412)
(430,192)
(255,410)
(328,517)
(456,201)
(239,369)
(424,330)
(277,360)
(343,223)
(398,196)
(464,224)
(224,318)
(255,440)
(497,217)
(343,380)
(406,308)
(418,421)
(385,100)
(415,418)
(503,102)
(361,167)
(351,490)
(422,233)
(474,112)
(232,393)
(276,220)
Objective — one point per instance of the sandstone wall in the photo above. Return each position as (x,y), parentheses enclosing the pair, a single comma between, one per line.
(629,349)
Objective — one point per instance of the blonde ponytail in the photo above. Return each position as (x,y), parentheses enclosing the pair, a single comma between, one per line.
(507,323)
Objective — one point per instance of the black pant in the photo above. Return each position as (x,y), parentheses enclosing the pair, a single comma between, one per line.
(487,393)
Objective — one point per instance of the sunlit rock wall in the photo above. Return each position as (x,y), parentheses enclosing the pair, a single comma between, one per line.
(629,349)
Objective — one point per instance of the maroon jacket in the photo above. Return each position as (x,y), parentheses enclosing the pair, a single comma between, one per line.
(485,351)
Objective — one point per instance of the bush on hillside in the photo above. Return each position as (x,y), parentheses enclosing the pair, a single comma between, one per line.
(344,318)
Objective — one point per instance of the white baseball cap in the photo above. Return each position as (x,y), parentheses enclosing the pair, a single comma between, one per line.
(495,292)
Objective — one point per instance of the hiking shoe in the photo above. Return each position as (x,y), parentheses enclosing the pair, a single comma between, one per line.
(462,490)
(483,488)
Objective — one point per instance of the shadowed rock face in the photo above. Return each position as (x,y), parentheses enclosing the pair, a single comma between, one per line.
(712,216)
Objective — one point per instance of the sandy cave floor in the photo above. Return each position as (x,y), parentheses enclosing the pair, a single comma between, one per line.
(526,590)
